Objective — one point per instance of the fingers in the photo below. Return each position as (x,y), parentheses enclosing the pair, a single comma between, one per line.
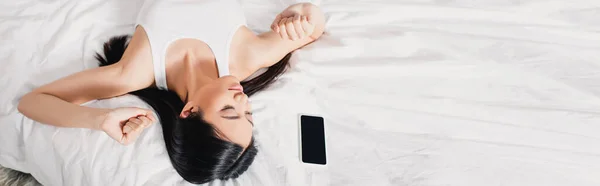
(283,29)
(289,26)
(145,112)
(308,27)
(136,120)
(150,115)
(294,28)
(309,19)
(297,22)
(137,123)
(146,121)
(275,24)
(124,124)
(133,128)
(130,137)
(287,29)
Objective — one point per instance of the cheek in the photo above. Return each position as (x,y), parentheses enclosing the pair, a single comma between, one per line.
(213,100)
(206,99)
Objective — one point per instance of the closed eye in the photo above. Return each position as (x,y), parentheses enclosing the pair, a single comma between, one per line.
(226,107)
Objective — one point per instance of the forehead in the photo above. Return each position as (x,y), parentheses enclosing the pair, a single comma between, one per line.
(237,131)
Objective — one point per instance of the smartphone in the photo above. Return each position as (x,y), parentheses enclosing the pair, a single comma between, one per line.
(312,138)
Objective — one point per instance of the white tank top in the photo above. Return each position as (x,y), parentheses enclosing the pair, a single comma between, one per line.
(213,22)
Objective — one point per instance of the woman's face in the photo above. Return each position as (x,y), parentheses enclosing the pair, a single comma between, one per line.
(224,104)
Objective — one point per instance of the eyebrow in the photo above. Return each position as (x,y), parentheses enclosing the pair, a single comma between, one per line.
(236,118)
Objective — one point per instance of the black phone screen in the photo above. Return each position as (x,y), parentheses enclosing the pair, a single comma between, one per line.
(313,139)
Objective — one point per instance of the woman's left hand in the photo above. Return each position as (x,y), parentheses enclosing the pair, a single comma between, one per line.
(295,22)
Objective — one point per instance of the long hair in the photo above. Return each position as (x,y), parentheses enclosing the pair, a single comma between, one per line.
(195,150)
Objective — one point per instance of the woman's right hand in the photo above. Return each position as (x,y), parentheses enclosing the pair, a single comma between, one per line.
(125,124)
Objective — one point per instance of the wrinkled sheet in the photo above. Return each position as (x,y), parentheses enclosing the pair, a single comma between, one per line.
(413,92)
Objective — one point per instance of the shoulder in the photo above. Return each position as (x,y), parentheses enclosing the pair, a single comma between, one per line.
(136,63)
(138,48)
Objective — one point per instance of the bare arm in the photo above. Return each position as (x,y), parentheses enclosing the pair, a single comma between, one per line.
(57,103)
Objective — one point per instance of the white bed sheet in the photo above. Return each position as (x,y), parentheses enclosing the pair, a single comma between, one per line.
(414,92)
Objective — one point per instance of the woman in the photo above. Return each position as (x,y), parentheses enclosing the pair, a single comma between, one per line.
(185,59)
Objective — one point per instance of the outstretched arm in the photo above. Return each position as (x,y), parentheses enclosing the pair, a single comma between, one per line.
(294,27)
(57,103)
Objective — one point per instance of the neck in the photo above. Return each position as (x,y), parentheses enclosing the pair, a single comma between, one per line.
(186,76)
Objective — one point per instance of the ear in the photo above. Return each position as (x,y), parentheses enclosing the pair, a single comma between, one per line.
(187,110)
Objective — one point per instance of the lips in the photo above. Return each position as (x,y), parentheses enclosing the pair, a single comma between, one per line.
(237,87)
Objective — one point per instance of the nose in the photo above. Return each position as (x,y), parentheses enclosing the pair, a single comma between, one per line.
(241,98)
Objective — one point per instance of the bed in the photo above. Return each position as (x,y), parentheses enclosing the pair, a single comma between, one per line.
(413,92)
